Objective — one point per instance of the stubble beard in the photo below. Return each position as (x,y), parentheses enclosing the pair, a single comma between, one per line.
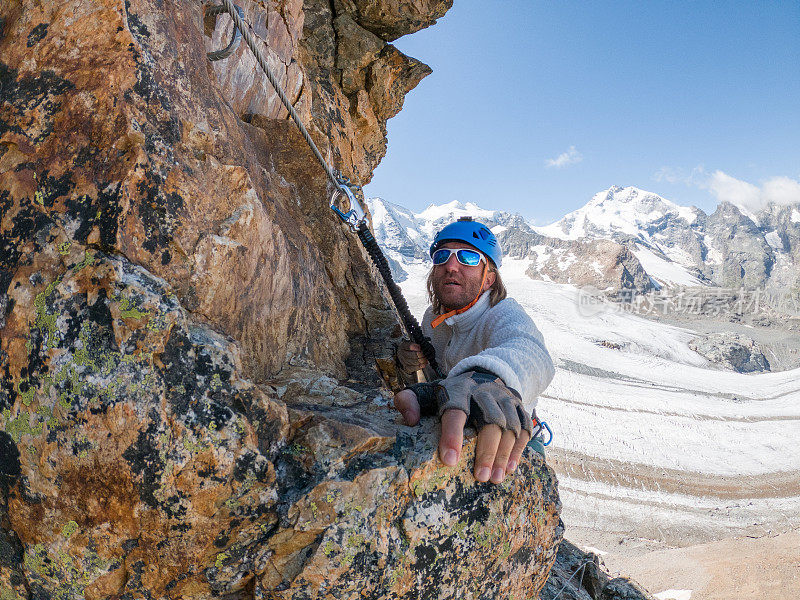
(452,297)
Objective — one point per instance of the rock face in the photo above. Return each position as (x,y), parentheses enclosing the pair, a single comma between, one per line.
(188,406)
(577,575)
(731,351)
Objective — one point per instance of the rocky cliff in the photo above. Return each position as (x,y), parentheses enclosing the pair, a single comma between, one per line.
(188,406)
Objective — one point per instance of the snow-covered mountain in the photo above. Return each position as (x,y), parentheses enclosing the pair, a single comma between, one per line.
(600,262)
(622,239)
(680,245)
(619,213)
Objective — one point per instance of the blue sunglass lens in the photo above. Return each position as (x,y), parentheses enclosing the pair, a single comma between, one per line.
(441,256)
(470,258)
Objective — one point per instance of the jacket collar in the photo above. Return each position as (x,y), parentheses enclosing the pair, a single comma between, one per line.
(469,318)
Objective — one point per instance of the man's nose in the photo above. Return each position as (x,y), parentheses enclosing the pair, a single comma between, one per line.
(452,263)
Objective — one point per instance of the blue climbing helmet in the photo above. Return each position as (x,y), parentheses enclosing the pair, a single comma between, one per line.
(473,233)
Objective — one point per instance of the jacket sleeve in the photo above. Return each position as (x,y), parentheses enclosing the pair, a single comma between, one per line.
(514,351)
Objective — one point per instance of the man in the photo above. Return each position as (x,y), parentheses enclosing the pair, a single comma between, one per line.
(489,348)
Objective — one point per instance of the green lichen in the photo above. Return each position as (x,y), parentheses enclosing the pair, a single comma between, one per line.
(221,558)
(63,248)
(459,528)
(216,382)
(355,540)
(8,594)
(194,445)
(128,310)
(156,322)
(329,548)
(423,486)
(21,426)
(69,528)
(506,550)
(38,197)
(67,575)
(353,544)
(88,259)
(28,394)
(297,450)
(64,401)
(44,320)
(396,575)
(314,510)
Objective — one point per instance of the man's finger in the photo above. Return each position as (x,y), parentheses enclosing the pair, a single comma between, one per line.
(452,436)
(406,402)
(501,458)
(485,451)
(516,452)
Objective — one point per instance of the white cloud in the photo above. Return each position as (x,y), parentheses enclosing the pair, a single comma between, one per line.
(570,157)
(726,188)
(735,191)
(782,190)
(779,190)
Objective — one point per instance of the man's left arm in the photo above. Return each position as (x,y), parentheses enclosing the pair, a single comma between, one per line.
(514,350)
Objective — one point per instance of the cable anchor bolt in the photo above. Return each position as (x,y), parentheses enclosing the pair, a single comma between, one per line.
(212,10)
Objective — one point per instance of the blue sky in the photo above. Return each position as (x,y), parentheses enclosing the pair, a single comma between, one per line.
(533,107)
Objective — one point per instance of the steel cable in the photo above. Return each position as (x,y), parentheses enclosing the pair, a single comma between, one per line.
(262,62)
(364,234)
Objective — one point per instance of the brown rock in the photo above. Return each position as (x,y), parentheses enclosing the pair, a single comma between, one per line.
(357,48)
(599,264)
(391,77)
(391,19)
(180,313)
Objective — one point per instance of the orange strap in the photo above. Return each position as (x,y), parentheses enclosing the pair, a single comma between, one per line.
(440,319)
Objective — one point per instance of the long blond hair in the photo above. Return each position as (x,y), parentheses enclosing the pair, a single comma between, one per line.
(498,289)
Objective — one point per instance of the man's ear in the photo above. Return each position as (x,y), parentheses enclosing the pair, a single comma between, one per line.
(491,276)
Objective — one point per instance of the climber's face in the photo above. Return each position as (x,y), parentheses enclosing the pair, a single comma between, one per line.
(456,285)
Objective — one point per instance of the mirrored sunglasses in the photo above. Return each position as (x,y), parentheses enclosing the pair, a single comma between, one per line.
(469,258)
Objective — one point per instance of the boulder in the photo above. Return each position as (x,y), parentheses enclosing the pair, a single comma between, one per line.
(731,351)
(579,575)
(188,404)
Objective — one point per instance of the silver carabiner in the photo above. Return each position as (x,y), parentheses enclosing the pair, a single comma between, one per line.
(356,215)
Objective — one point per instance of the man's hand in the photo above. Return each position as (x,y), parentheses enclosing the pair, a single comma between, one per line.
(411,357)
(497,452)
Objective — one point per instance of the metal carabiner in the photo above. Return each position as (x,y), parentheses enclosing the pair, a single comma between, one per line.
(550,431)
(211,10)
(356,215)
(538,426)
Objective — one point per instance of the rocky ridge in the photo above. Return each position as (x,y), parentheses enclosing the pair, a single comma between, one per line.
(406,237)
(728,248)
(187,333)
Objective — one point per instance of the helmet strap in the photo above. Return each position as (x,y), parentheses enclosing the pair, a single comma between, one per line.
(440,319)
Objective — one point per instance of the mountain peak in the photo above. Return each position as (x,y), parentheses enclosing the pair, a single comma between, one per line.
(453,210)
(617,210)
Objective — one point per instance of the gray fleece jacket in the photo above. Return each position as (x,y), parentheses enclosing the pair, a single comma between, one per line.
(501,339)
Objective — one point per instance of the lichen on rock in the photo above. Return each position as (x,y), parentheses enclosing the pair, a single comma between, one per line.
(188,405)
